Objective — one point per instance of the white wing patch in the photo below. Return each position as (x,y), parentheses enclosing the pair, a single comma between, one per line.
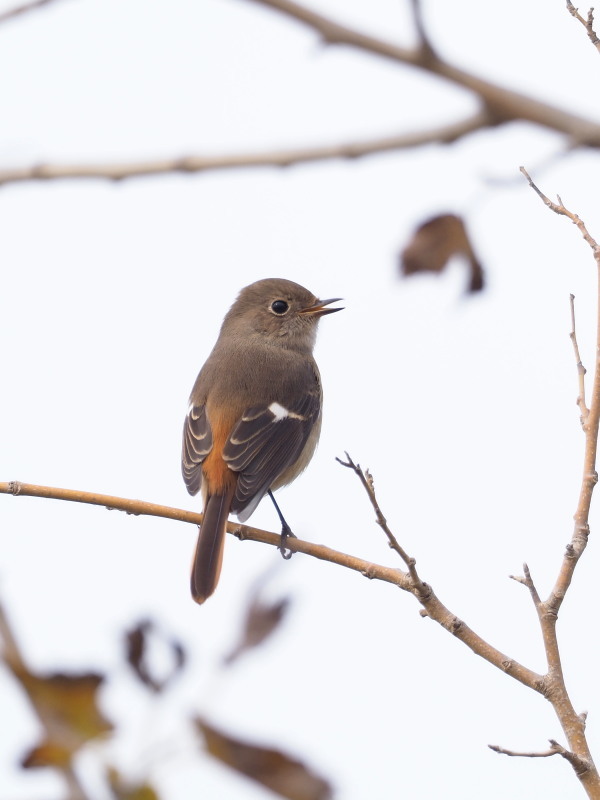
(280,412)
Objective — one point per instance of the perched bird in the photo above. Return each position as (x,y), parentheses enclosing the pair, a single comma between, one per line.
(255,413)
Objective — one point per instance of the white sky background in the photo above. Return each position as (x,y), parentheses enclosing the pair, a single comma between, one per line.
(464,409)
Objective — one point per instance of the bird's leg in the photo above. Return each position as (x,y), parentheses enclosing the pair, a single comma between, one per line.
(286,531)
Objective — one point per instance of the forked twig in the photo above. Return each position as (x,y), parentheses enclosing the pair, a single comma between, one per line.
(587,23)
(432,605)
(580,765)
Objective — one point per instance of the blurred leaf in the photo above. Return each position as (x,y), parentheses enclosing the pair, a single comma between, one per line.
(125,790)
(47,754)
(261,620)
(271,768)
(435,242)
(67,707)
(138,641)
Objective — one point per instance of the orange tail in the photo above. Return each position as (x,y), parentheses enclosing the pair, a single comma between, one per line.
(209,550)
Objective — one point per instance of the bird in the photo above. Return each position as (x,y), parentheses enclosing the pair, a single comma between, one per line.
(254,413)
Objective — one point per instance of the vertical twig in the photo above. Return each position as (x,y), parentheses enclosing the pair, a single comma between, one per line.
(572,723)
(581,370)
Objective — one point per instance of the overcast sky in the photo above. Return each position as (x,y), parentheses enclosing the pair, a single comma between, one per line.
(463,408)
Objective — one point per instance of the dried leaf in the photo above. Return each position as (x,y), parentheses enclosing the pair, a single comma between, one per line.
(137,642)
(261,620)
(47,754)
(123,789)
(271,768)
(67,707)
(435,242)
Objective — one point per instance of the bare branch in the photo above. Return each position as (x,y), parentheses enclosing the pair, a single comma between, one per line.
(436,610)
(560,209)
(527,754)
(17,11)
(498,105)
(504,105)
(424,41)
(433,607)
(444,134)
(367,481)
(573,724)
(139,507)
(556,749)
(581,370)
(591,426)
(588,23)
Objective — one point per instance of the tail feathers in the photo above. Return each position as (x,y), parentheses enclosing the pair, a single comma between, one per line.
(209,550)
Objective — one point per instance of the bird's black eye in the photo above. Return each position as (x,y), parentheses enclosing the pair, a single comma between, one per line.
(279,307)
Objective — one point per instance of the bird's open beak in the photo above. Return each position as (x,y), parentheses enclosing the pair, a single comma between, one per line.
(319,309)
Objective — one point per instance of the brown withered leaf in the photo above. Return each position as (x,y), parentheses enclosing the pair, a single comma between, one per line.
(260,622)
(435,242)
(123,789)
(67,707)
(47,754)
(271,768)
(137,641)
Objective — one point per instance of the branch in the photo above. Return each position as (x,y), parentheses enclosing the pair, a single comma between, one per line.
(591,426)
(588,23)
(434,608)
(551,685)
(367,481)
(528,754)
(498,105)
(142,508)
(444,134)
(556,749)
(573,724)
(17,11)
(505,105)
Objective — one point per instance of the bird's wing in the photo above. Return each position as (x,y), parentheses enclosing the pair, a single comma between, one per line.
(266,441)
(197,444)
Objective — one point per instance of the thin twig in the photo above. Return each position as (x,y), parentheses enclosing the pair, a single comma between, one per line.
(580,765)
(527,754)
(581,370)
(588,23)
(444,134)
(367,481)
(435,609)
